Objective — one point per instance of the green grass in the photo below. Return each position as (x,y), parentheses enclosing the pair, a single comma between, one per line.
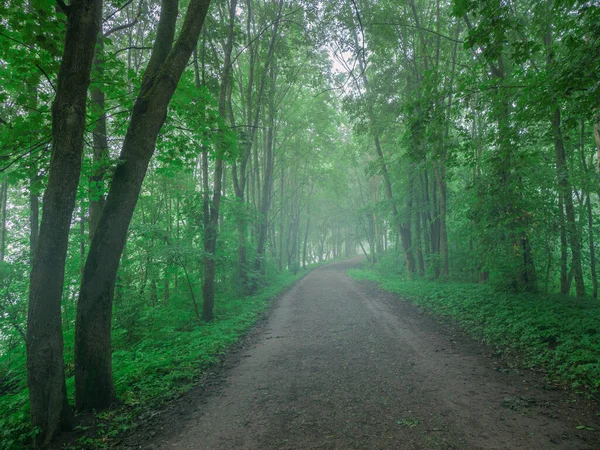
(168,353)
(558,334)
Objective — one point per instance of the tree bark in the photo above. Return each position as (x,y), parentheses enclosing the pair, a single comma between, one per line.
(306,232)
(100,144)
(597,139)
(49,407)
(211,227)
(259,264)
(94,388)
(34,220)
(403,229)
(564,186)
(564,256)
(588,206)
(3,202)
(440,173)
(252,120)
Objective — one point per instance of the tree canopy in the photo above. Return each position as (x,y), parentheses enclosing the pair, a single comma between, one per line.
(160,162)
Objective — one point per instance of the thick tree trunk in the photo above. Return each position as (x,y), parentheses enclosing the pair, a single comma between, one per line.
(94,387)
(49,407)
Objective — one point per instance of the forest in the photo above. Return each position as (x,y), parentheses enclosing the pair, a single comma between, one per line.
(168,167)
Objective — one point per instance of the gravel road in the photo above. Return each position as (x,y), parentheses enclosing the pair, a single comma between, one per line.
(340,364)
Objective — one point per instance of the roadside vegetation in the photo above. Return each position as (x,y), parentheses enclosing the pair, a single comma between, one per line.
(156,359)
(160,160)
(557,334)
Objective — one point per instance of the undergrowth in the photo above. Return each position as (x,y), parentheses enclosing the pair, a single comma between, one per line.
(164,358)
(557,334)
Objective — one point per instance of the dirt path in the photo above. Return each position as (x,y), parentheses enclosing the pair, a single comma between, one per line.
(342,365)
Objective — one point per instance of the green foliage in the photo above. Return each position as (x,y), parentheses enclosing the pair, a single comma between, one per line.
(171,351)
(558,334)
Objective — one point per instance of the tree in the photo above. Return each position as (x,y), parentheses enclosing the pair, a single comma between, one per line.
(50,410)
(94,387)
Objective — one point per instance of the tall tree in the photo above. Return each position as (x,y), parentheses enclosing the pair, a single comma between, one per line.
(50,410)
(94,388)
(211,210)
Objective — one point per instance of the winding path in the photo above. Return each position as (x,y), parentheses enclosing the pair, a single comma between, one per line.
(342,365)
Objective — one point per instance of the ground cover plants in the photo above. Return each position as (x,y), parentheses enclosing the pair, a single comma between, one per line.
(161,359)
(154,152)
(554,333)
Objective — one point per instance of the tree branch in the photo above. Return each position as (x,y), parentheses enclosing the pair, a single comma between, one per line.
(133,47)
(126,25)
(404,25)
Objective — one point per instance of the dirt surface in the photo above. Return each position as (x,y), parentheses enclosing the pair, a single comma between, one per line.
(340,364)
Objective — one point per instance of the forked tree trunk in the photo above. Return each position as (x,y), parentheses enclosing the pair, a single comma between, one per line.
(49,407)
(94,388)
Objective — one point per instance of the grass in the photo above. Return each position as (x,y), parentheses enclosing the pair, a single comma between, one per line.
(557,334)
(167,354)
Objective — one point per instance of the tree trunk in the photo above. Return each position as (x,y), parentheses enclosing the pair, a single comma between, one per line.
(100,144)
(281,221)
(597,139)
(306,234)
(259,264)
(564,255)
(252,118)
(441,184)
(94,388)
(3,202)
(419,245)
(564,186)
(49,407)
(81,237)
(590,219)
(34,221)
(211,228)
(403,229)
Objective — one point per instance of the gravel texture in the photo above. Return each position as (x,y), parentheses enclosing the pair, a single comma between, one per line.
(340,364)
